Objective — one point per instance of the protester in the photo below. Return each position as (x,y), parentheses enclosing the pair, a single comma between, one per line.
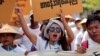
(7,36)
(93,28)
(34,27)
(54,32)
(76,30)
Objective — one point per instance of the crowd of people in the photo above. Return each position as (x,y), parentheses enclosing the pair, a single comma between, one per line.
(54,34)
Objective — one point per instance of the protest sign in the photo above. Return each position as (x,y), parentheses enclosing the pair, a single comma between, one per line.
(44,9)
(54,53)
(24,5)
(6,9)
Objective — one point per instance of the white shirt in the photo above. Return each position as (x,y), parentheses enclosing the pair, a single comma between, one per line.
(18,49)
(41,45)
(76,32)
(85,36)
(81,37)
(24,40)
(92,44)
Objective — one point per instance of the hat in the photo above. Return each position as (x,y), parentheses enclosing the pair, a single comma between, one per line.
(83,21)
(49,24)
(69,16)
(76,19)
(10,29)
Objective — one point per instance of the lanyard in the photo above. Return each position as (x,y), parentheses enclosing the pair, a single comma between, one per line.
(56,46)
(9,48)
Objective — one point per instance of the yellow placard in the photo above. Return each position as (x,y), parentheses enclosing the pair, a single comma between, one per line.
(6,9)
(45,9)
(24,5)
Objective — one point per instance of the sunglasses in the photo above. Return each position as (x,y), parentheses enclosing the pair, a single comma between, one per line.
(52,29)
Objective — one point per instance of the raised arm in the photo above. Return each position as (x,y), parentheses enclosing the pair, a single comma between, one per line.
(31,36)
(68,29)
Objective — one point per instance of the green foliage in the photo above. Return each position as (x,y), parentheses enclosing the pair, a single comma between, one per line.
(91,4)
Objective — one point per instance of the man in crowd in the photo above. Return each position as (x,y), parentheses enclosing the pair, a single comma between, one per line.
(93,28)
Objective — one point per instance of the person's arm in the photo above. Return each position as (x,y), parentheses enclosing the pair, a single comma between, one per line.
(68,29)
(31,36)
(78,44)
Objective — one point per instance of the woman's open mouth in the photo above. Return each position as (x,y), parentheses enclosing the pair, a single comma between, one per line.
(55,36)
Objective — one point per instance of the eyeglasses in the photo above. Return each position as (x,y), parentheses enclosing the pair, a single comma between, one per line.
(52,29)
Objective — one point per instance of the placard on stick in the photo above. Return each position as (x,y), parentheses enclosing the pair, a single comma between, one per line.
(44,9)
(6,9)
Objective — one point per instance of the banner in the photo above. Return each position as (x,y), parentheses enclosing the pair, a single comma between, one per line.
(45,9)
(11,54)
(25,6)
(6,9)
(54,53)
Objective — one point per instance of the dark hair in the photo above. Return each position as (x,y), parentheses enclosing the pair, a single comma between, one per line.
(92,18)
(44,23)
(62,41)
(96,12)
(59,19)
(32,18)
(32,21)
(12,34)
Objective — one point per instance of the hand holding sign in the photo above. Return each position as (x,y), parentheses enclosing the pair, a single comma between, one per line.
(25,8)
(24,5)
(62,15)
(18,10)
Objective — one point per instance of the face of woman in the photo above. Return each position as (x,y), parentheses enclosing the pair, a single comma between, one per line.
(6,39)
(54,32)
